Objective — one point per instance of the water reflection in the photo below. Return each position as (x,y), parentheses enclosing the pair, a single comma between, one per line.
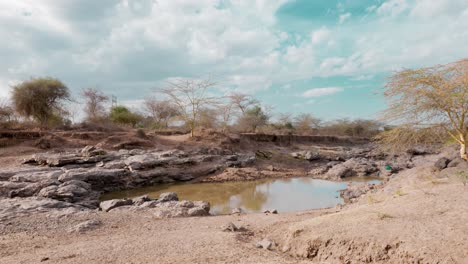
(285,195)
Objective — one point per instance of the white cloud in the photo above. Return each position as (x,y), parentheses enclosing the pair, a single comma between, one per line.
(318,92)
(392,8)
(344,17)
(320,35)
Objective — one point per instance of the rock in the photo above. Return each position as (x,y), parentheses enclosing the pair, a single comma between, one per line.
(310,156)
(98,178)
(274,211)
(168,196)
(32,188)
(306,155)
(85,226)
(270,168)
(71,191)
(145,161)
(111,204)
(181,209)
(90,151)
(318,171)
(441,163)
(230,227)
(456,162)
(36,176)
(339,171)
(6,187)
(265,244)
(236,211)
(271,211)
(42,143)
(140,200)
(355,191)
(17,207)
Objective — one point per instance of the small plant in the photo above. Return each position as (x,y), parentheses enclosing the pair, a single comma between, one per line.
(383,216)
(372,200)
(399,193)
(463,175)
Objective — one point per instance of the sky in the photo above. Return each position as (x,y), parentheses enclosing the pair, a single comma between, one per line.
(329,58)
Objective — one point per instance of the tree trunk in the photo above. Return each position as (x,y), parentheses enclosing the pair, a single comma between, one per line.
(463,153)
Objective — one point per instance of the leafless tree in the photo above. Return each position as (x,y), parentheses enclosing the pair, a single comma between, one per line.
(190,96)
(305,123)
(95,100)
(434,98)
(160,111)
(225,111)
(242,101)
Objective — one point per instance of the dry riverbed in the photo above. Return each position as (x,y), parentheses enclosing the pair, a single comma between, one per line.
(419,215)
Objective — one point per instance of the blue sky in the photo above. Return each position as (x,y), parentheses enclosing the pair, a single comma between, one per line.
(328,58)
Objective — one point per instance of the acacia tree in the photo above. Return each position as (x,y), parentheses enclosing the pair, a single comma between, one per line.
(426,101)
(190,96)
(305,122)
(6,112)
(242,101)
(253,118)
(160,111)
(40,98)
(95,100)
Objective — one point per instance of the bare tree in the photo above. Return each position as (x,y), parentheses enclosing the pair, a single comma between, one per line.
(6,112)
(160,111)
(305,123)
(95,100)
(190,96)
(225,111)
(429,98)
(242,101)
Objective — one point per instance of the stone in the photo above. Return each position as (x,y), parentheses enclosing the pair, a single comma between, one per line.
(339,171)
(17,207)
(32,188)
(441,163)
(265,244)
(270,168)
(111,204)
(456,163)
(318,171)
(180,209)
(355,191)
(230,227)
(36,176)
(141,200)
(85,226)
(90,151)
(236,211)
(144,161)
(168,196)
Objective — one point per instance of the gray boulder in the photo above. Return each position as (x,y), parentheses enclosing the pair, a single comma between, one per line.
(111,204)
(181,209)
(441,163)
(168,196)
(85,226)
(144,161)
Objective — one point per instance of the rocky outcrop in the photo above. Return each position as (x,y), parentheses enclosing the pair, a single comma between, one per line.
(166,206)
(80,177)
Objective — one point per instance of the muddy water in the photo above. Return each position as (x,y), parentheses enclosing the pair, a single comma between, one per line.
(285,195)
